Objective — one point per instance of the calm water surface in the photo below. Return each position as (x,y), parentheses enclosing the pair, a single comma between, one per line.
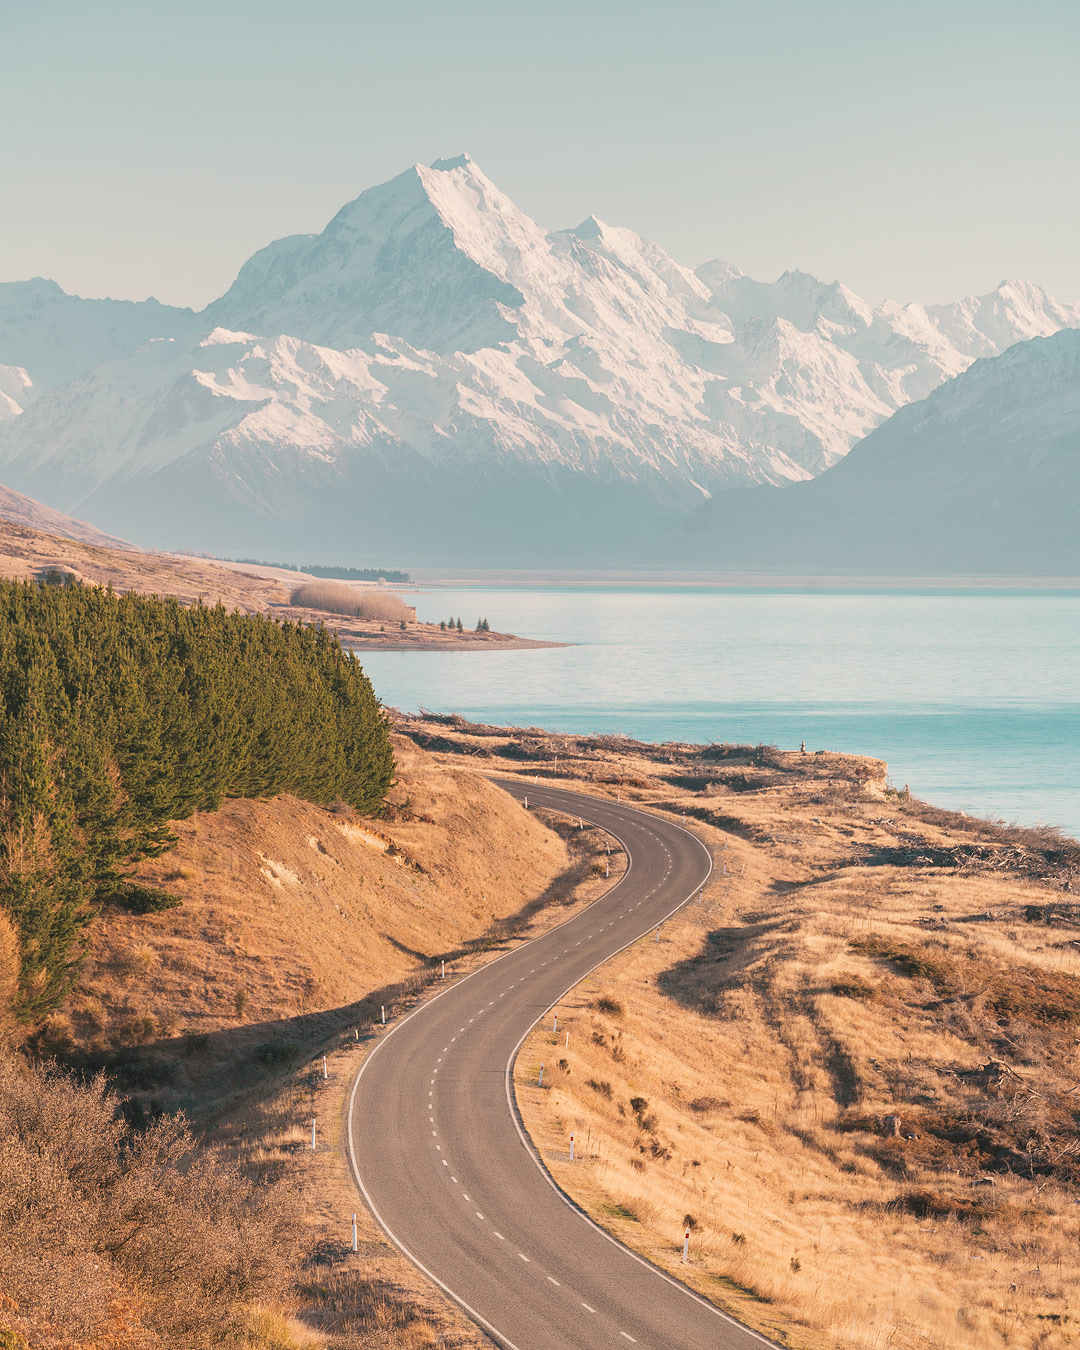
(970,697)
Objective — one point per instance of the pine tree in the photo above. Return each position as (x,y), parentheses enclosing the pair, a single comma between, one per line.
(121,714)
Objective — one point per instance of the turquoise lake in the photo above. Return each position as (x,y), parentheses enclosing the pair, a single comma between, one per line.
(971,697)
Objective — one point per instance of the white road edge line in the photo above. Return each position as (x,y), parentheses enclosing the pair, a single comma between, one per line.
(450,1293)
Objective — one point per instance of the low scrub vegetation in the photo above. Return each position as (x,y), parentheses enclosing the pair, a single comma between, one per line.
(337,598)
(123,1238)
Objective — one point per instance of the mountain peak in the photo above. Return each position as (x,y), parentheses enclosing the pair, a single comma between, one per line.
(590,228)
(462,161)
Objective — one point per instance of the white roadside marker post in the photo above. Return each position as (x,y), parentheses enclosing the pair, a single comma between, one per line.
(658,935)
(568,1040)
(444,970)
(354,1246)
(382,1008)
(324,1066)
(356,1033)
(555,1024)
(313,1134)
(526,801)
(686,1247)
(540,1080)
(571,1147)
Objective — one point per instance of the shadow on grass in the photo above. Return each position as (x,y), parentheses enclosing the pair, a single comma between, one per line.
(200,1073)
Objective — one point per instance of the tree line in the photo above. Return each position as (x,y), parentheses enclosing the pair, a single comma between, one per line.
(334,573)
(121,713)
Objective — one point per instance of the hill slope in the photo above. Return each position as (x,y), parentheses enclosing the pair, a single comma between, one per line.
(24,511)
(982,477)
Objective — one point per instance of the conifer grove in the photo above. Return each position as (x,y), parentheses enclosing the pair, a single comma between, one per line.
(119,714)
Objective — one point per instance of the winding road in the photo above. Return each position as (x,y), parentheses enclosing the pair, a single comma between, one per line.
(442,1160)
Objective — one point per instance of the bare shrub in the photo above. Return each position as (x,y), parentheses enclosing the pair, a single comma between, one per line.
(334,597)
(97,1217)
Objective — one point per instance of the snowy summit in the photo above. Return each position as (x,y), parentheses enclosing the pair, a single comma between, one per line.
(436,375)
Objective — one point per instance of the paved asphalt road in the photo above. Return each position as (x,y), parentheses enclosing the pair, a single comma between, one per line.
(441,1159)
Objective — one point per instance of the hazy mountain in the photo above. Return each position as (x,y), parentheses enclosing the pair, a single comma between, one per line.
(983,476)
(54,336)
(16,391)
(25,511)
(434,377)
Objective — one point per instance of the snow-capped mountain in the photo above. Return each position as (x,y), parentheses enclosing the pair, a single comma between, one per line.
(438,372)
(982,476)
(16,391)
(54,336)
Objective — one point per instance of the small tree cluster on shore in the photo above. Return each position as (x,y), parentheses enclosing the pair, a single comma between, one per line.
(482,626)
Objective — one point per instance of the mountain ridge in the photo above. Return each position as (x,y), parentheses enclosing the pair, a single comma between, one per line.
(433,344)
(982,476)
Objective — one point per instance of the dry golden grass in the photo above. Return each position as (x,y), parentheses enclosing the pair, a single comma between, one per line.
(9,976)
(374,1299)
(298,922)
(854,960)
(338,597)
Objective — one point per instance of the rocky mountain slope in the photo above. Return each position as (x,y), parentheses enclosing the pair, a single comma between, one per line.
(982,476)
(437,378)
(54,336)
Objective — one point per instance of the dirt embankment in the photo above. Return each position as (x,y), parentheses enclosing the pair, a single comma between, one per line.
(852,1071)
(295,917)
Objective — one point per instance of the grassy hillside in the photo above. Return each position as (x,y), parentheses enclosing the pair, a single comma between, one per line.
(298,920)
(852,1070)
(297,923)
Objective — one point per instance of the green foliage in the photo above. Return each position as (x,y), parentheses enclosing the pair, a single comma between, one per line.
(119,714)
(144,899)
(335,573)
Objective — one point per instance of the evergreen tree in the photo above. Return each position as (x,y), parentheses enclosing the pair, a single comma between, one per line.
(121,714)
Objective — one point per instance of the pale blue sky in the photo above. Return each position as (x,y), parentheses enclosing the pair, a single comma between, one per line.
(916,150)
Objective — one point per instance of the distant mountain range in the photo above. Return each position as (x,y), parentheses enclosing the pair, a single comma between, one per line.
(983,476)
(32,515)
(435,379)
